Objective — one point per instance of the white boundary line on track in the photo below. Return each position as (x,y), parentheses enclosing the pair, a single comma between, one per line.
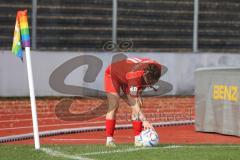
(88,129)
(100,122)
(50,125)
(29,119)
(53,118)
(55,153)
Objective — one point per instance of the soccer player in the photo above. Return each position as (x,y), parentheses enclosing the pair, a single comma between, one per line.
(131,76)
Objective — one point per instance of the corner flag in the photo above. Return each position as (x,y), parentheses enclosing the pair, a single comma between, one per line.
(22,39)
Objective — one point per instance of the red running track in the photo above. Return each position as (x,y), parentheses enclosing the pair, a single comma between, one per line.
(15,114)
(168,135)
(15,118)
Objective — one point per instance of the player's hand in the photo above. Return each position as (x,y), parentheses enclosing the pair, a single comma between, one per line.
(147,125)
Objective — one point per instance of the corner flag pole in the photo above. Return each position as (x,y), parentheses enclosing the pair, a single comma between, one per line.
(32,98)
(22,39)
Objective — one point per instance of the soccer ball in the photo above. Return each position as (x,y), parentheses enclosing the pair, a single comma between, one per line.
(149,138)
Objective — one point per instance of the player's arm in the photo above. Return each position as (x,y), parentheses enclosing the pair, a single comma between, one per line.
(136,103)
(134,92)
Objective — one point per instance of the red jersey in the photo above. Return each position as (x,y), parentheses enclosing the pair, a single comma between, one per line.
(127,74)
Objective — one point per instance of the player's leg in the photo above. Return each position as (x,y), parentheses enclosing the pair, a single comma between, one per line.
(113,103)
(136,122)
(112,88)
(137,128)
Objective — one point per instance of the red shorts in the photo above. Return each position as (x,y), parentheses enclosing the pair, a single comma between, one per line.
(111,83)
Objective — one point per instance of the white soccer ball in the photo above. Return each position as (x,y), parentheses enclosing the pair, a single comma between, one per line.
(149,138)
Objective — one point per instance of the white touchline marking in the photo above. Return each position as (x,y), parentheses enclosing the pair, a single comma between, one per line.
(117,151)
(204,146)
(172,146)
(55,153)
(76,139)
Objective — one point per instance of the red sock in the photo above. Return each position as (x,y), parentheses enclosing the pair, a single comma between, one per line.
(137,127)
(110,127)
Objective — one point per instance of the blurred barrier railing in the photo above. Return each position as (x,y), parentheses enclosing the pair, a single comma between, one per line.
(153,26)
(195,26)
(34,24)
(114,24)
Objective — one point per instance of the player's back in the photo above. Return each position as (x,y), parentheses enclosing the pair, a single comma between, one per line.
(120,68)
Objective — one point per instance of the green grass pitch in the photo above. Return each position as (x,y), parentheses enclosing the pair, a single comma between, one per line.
(124,151)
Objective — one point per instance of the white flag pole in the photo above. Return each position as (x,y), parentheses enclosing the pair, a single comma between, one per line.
(32,98)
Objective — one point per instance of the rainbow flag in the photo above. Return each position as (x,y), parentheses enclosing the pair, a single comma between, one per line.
(21,36)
